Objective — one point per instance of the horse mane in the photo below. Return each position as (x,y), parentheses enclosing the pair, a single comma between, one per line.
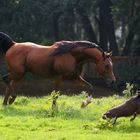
(5,42)
(66,46)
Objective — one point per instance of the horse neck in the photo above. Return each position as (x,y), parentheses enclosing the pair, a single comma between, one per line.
(94,54)
(83,55)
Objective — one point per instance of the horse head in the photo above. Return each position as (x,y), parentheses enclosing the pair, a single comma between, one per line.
(89,51)
(105,67)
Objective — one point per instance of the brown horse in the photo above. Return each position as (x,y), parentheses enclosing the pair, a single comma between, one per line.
(62,60)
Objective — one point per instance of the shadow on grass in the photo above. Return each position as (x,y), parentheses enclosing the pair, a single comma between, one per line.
(66,113)
(69,113)
(20,108)
(12,111)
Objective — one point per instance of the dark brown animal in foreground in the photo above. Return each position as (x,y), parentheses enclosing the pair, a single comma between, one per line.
(130,108)
(63,60)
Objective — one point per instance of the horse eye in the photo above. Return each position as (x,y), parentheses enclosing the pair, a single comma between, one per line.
(106,66)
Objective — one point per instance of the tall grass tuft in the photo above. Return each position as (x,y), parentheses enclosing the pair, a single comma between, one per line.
(128,91)
(54,95)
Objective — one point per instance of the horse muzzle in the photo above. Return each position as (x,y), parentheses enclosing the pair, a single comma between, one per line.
(111,80)
(104,117)
(110,83)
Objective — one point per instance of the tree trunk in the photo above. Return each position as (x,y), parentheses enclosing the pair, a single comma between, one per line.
(102,29)
(56,25)
(86,24)
(133,26)
(107,32)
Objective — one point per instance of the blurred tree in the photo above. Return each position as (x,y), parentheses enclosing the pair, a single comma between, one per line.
(86,23)
(113,24)
(134,27)
(106,27)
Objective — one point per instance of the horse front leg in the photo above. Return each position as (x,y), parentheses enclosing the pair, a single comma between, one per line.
(133,117)
(89,98)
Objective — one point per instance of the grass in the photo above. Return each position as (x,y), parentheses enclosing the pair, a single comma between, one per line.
(31,119)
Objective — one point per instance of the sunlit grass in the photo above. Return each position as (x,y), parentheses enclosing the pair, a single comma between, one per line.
(31,119)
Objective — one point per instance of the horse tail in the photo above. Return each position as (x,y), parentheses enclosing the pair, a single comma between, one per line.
(5,42)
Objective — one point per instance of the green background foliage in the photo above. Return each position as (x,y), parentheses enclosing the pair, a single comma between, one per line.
(113,24)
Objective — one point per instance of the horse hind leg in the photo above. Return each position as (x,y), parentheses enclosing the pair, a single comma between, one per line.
(16,76)
(14,88)
(10,94)
(7,80)
(7,95)
(12,99)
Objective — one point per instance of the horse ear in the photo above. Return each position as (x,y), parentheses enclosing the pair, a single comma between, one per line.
(138,93)
(109,54)
(104,55)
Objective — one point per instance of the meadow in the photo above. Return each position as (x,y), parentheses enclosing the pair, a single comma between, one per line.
(31,118)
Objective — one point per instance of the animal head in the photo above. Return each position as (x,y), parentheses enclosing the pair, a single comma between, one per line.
(107,115)
(105,67)
(137,97)
(138,93)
